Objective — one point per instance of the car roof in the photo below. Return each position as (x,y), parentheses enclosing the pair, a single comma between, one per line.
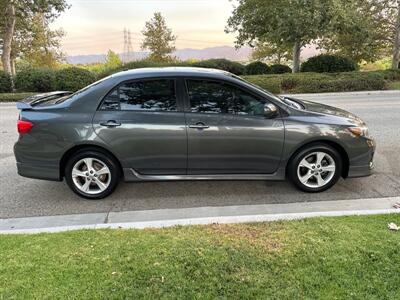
(171,71)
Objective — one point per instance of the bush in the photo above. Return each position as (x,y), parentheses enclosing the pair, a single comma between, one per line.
(280,69)
(73,79)
(221,64)
(35,80)
(5,82)
(257,68)
(325,63)
(322,83)
(145,63)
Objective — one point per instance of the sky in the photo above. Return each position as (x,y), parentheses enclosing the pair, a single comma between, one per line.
(94,26)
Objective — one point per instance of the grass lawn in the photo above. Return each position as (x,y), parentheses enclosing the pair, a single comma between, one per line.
(12,97)
(321,258)
(394,85)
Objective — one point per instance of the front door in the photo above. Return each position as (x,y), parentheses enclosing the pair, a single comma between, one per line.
(142,123)
(227,131)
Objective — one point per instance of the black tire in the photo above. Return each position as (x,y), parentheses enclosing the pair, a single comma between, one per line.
(104,158)
(292,169)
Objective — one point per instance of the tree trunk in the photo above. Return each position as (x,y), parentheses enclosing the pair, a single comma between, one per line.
(396,45)
(296,57)
(8,37)
(13,66)
(279,59)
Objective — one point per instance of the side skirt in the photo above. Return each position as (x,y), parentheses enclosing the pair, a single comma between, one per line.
(132,175)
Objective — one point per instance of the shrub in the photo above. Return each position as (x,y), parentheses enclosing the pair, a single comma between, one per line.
(257,68)
(221,64)
(35,80)
(321,83)
(145,63)
(280,69)
(5,82)
(326,63)
(73,79)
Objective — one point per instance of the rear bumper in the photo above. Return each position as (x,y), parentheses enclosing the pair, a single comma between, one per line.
(38,172)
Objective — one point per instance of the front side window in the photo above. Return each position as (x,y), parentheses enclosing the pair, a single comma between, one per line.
(148,95)
(217,97)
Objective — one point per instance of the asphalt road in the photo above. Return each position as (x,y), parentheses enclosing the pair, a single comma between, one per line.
(20,197)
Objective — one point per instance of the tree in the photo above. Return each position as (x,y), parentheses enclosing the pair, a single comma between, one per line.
(158,38)
(284,22)
(272,52)
(112,60)
(364,31)
(19,16)
(39,46)
(396,39)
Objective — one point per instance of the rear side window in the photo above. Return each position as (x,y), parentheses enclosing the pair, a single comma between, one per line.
(220,98)
(147,95)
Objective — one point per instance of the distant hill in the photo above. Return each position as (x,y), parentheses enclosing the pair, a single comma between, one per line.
(227,52)
(231,53)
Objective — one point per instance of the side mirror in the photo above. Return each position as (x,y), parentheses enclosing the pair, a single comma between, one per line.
(270,110)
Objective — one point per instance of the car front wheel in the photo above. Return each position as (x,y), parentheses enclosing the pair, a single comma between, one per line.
(92,174)
(316,168)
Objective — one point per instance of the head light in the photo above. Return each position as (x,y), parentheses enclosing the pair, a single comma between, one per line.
(359,131)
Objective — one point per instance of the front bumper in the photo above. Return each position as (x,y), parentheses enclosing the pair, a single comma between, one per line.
(367,166)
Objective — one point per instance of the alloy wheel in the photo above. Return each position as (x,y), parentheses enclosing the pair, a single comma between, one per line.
(91,175)
(316,169)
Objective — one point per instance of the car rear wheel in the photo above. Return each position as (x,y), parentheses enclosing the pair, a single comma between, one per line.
(315,168)
(92,174)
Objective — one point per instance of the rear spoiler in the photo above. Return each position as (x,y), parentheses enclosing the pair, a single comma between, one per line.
(23,106)
(29,102)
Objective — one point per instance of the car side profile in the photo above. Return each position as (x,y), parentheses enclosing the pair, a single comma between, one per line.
(186,124)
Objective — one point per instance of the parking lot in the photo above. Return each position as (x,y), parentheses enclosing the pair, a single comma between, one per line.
(21,197)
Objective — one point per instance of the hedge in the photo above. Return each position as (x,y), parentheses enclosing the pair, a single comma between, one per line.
(221,64)
(326,63)
(320,83)
(5,82)
(35,80)
(14,97)
(73,79)
(257,68)
(44,80)
(280,69)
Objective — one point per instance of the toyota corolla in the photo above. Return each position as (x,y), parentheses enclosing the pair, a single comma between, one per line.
(186,124)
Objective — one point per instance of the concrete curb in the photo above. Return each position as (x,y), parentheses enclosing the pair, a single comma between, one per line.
(199,216)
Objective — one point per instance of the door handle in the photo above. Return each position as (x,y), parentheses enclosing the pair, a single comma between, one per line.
(110,123)
(199,125)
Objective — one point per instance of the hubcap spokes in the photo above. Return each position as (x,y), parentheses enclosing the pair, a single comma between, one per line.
(91,175)
(316,169)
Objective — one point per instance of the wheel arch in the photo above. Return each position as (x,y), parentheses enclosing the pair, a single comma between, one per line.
(77,148)
(337,146)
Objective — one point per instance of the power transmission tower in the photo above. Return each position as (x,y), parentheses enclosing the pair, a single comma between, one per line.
(130,48)
(125,51)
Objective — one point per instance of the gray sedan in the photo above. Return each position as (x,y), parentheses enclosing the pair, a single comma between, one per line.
(186,124)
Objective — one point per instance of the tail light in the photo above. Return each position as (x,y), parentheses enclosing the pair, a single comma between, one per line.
(24,126)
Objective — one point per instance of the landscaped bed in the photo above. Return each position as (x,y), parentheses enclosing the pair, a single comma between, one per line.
(321,258)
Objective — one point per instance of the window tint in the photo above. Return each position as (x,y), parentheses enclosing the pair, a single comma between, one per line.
(217,97)
(149,95)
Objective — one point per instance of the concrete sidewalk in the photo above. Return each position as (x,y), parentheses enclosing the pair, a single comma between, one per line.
(200,215)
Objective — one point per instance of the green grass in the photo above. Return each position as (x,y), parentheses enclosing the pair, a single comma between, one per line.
(394,85)
(13,97)
(322,258)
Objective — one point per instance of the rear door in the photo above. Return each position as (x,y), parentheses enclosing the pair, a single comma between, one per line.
(227,131)
(143,123)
